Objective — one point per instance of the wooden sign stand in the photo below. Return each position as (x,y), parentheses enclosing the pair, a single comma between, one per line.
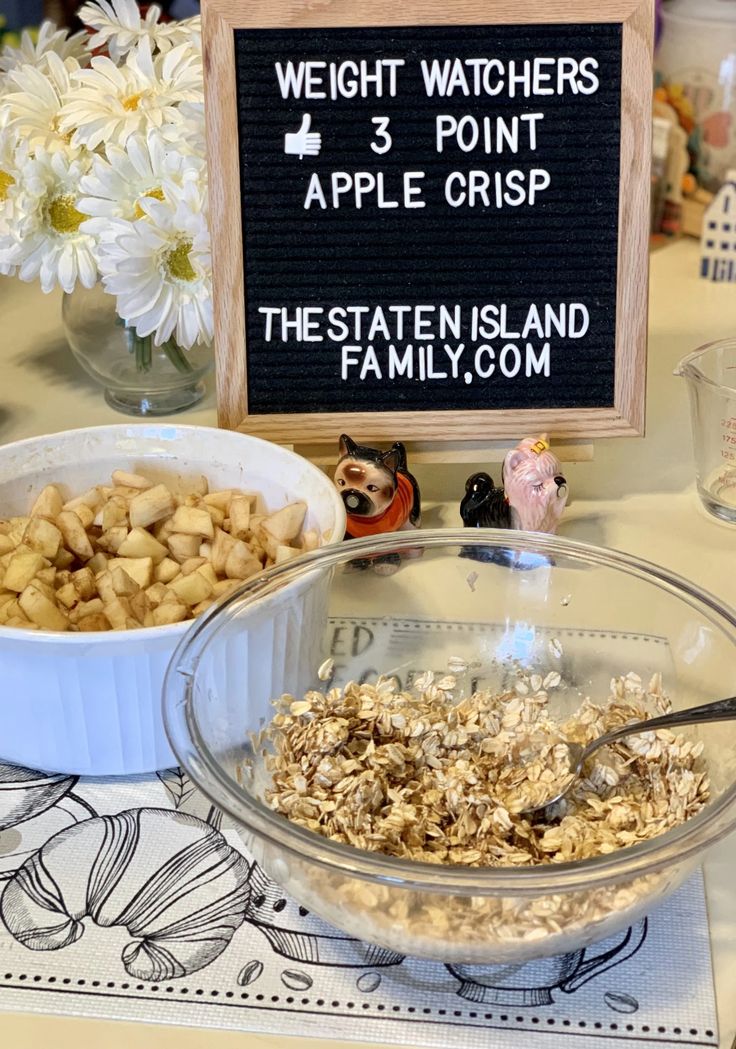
(279,246)
(450,452)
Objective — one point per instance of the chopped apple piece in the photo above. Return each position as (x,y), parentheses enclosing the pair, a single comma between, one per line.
(123,584)
(190,520)
(182,547)
(75,537)
(41,610)
(130,480)
(138,568)
(192,589)
(140,543)
(150,506)
(21,570)
(49,503)
(43,537)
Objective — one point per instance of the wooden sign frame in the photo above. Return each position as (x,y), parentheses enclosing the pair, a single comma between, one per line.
(626,417)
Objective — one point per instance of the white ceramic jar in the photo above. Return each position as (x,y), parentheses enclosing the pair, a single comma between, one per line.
(697,52)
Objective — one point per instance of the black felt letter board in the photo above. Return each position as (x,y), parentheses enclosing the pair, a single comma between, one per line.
(561,250)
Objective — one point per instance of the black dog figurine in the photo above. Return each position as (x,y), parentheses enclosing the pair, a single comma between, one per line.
(484,505)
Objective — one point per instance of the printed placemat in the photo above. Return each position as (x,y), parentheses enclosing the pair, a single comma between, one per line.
(134,899)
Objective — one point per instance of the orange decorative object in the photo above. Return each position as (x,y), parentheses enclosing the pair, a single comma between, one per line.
(379,493)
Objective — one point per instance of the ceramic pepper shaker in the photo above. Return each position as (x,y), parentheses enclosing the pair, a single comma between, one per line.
(379,493)
(532,495)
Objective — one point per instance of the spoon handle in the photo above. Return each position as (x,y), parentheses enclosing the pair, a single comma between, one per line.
(721,710)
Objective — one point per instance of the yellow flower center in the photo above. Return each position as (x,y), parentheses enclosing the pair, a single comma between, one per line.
(55,127)
(177,262)
(6,181)
(156,193)
(63,216)
(132,102)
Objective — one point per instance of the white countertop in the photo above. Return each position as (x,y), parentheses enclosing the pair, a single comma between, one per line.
(636,495)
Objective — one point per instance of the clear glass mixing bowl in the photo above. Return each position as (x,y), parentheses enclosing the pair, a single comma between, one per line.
(498,600)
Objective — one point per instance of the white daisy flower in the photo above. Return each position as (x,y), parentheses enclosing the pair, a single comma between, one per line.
(147,167)
(7,269)
(48,241)
(113,102)
(193,29)
(181,74)
(50,40)
(35,106)
(8,182)
(190,141)
(160,270)
(119,27)
(12,154)
(8,146)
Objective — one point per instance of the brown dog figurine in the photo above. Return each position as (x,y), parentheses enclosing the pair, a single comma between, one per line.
(379,493)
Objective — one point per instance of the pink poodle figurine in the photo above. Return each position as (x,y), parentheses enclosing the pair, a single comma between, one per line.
(532,496)
(534,486)
(379,493)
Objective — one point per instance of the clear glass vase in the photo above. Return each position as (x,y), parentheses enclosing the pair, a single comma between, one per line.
(138,377)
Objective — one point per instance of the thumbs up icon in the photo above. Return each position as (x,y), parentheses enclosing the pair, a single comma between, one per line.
(303,143)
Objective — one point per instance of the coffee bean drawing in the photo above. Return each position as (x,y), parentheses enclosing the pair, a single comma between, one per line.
(621,1003)
(296,980)
(368,982)
(250,972)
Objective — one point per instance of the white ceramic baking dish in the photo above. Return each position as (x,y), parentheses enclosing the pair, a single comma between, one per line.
(90,703)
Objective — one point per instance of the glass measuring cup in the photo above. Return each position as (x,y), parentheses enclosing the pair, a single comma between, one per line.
(711,375)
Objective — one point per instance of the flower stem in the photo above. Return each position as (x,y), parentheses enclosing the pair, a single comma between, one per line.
(142,347)
(177,357)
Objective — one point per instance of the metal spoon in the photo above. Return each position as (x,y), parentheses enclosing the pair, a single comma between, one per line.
(722,710)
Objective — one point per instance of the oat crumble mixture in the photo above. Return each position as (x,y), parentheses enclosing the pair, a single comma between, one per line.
(424,776)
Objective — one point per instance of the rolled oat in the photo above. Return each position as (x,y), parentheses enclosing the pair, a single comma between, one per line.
(425,776)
